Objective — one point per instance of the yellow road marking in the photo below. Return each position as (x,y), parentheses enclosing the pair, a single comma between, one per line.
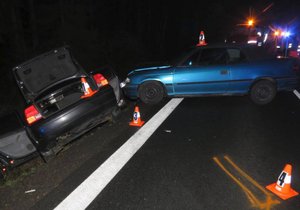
(267,204)
(250,179)
(249,194)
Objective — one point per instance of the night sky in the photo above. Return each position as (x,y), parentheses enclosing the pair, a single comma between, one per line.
(127,32)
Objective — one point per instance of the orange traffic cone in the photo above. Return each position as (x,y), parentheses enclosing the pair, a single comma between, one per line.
(136,121)
(201,39)
(88,92)
(282,187)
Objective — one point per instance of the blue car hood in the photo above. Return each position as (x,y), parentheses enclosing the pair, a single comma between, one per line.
(149,69)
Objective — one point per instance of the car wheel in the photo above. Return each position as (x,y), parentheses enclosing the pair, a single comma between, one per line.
(115,114)
(263,92)
(151,92)
(48,155)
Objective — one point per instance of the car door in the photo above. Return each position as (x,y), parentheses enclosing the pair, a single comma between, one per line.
(242,71)
(204,72)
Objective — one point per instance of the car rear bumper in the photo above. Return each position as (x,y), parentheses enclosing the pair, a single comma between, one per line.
(74,120)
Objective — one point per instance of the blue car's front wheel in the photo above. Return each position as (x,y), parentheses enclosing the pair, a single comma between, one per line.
(151,92)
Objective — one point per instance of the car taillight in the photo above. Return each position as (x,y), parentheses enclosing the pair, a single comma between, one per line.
(100,80)
(32,114)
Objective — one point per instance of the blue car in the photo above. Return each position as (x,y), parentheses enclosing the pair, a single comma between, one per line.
(213,70)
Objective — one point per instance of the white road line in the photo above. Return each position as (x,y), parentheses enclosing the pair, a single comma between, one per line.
(88,190)
(297,93)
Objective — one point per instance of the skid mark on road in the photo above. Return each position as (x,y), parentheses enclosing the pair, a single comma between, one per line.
(269,199)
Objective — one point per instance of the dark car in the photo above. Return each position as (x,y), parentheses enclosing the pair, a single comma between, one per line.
(62,100)
(217,69)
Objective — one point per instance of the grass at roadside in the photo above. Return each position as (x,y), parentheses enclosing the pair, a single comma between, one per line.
(13,180)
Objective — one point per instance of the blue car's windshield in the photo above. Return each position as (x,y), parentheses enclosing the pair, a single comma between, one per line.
(182,57)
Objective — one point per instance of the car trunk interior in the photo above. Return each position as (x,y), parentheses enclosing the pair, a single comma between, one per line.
(60,96)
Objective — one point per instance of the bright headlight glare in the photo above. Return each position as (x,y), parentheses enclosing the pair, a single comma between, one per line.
(123,84)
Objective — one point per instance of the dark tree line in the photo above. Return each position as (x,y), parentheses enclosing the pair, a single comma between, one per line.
(118,32)
(121,32)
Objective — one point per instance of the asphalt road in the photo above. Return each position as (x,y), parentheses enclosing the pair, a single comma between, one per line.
(177,168)
(210,153)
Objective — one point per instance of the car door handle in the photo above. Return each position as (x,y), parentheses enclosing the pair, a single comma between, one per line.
(224,71)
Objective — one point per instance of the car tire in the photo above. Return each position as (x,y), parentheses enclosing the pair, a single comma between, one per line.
(115,114)
(151,92)
(48,155)
(263,92)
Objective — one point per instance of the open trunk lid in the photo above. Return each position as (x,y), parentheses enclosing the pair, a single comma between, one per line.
(46,70)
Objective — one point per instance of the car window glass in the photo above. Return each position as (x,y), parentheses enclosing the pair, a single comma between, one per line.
(192,60)
(182,58)
(213,56)
(235,55)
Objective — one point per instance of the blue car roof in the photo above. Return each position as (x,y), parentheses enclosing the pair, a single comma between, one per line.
(253,52)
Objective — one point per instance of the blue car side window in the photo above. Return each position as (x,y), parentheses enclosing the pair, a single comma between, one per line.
(192,60)
(236,56)
(213,56)
(210,56)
